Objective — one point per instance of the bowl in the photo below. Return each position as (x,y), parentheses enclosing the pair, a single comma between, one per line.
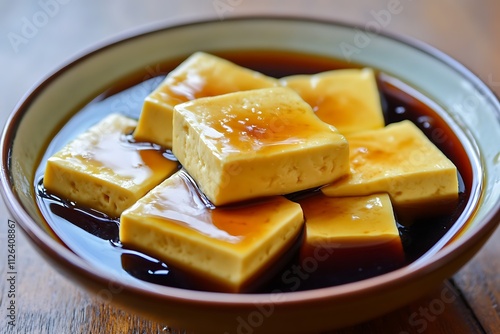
(461,99)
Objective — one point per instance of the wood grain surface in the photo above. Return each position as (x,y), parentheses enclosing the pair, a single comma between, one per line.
(47,302)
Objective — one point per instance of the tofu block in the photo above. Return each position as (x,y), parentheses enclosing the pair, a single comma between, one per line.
(225,248)
(351,232)
(400,160)
(200,75)
(257,143)
(100,171)
(349,222)
(347,99)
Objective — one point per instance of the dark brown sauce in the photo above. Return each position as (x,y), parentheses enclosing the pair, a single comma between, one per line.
(94,236)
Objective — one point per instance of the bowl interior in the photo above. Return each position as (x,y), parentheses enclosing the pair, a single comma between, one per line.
(462,100)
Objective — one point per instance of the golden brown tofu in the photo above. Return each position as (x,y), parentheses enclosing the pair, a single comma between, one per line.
(100,171)
(351,232)
(349,221)
(256,143)
(200,75)
(347,99)
(226,247)
(403,162)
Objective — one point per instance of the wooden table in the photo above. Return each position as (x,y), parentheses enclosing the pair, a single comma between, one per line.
(49,303)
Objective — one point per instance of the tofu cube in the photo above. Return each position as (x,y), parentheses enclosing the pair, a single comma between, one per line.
(225,248)
(347,99)
(352,232)
(349,221)
(257,143)
(200,75)
(100,171)
(400,160)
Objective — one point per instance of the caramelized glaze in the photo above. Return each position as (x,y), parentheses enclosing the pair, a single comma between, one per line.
(180,202)
(347,99)
(267,119)
(201,76)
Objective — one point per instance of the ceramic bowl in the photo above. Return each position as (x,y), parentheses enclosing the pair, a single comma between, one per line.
(469,107)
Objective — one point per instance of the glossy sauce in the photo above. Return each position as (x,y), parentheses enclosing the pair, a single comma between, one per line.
(94,236)
(111,157)
(337,89)
(248,124)
(125,172)
(207,76)
(179,201)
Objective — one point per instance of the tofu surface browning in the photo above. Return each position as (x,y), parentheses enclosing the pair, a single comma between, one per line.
(400,160)
(348,98)
(227,247)
(350,234)
(200,75)
(256,143)
(349,221)
(100,171)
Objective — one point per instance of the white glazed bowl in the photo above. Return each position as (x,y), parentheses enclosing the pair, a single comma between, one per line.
(468,106)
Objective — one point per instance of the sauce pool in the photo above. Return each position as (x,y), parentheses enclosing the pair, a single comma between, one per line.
(94,236)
